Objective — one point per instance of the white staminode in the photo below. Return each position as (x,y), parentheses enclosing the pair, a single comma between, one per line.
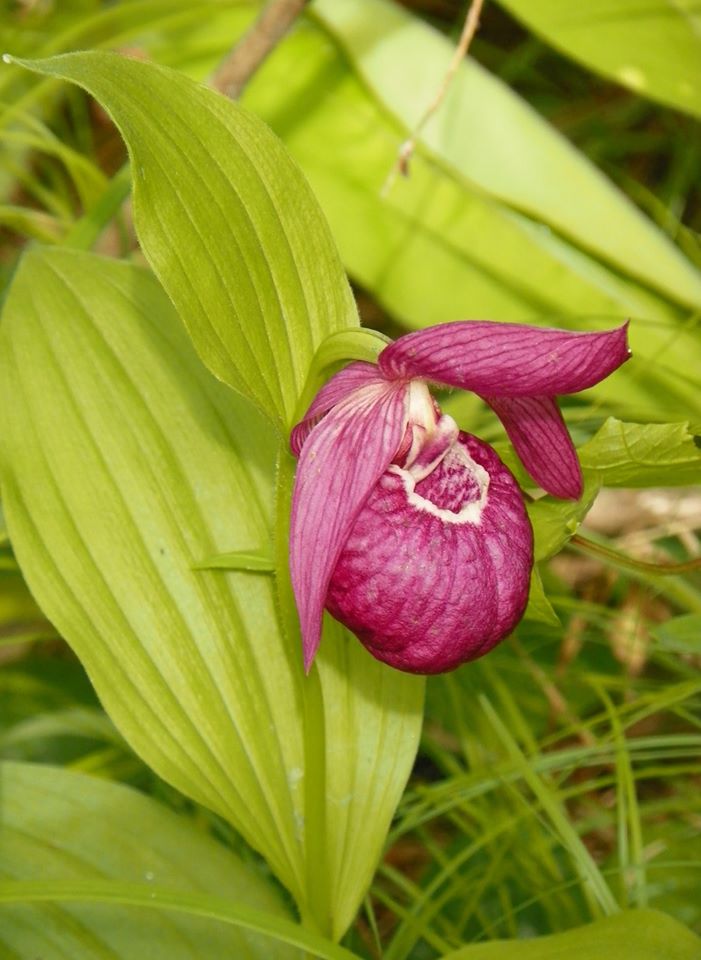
(456,456)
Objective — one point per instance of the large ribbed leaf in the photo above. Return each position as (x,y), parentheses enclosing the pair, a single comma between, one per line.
(124,464)
(61,827)
(651,46)
(487,135)
(228,223)
(631,935)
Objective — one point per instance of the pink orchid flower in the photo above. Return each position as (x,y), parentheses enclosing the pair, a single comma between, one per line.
(410,532)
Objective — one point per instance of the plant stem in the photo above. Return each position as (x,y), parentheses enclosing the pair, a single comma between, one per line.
(660,569)
(407,148)
(238,67)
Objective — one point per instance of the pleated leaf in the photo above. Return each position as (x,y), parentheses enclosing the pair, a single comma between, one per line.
(498,143)
(61,827)
(229,224)
(652,47)
(644,454)
(630,935)
(124,465)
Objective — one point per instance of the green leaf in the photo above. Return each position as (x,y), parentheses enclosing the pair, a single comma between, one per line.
(212,908)
(334,353)
(526,170)
(61,827)
(539,608)
(238,560)
(654,48)
(680,634)
(555,521)
(228,223)
(643,454)
(124,464)
(630,935)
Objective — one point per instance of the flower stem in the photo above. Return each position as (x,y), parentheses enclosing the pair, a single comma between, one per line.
(621,560)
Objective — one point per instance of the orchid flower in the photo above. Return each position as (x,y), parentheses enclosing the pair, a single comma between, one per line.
(410,532)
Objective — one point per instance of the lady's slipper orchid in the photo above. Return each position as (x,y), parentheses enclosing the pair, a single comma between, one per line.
(414,534)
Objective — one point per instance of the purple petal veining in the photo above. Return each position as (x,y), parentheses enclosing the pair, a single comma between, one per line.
(506,359)
(435,573)
(539,436)
(340,386)
(341,461)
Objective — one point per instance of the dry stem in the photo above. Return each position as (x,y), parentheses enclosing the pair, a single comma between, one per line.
(238,67)
(407,148)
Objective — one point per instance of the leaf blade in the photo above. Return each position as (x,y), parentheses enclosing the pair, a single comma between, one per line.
(630,935)
(123,464)
(654,49)
(62,827)
(228,223)
(643,454)
(527,170)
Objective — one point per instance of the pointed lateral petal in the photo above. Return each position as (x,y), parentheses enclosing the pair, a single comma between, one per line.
(345,382)
(506,359)
(342,460)
(540,438)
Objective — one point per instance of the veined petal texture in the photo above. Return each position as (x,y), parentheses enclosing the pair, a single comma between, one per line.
(436,572)
(539,435)
(342,459)
(506,359)
(341,385)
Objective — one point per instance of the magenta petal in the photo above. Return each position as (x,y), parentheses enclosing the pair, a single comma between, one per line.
(345,382)
(506,359)
(540,438)
(436,573)
(340,463)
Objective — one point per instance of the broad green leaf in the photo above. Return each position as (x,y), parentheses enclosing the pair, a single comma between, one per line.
(228,223)
(60,826)
(442,245)
(555,521)
(653,47)
(124,465)
(212,908)
(643,454)
(631,935)
(680,634)
(404,61)
(539,608)
(239,560)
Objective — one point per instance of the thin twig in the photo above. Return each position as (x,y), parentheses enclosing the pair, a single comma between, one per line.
(238,67)
(407,148)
